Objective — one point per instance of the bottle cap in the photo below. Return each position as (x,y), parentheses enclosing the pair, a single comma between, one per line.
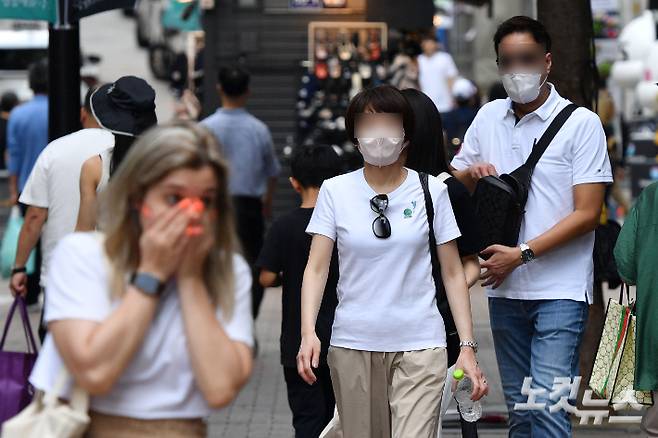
(458,374)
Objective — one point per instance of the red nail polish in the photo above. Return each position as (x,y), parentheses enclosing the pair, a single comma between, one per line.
(184,203)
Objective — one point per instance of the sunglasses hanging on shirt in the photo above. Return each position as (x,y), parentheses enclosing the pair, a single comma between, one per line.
(381,227)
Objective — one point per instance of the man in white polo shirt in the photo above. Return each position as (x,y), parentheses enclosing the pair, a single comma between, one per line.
(539,292)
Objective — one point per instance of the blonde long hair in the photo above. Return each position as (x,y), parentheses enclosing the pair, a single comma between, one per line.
(155,155)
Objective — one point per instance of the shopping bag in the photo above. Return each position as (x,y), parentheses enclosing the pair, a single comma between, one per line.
(49,417)
(10,242)
(623,392)
(613,373)
(15,367)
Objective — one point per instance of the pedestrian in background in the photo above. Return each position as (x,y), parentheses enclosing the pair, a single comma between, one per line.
(27,136)
(636,253)
(52,194)
(282,261)
(428,155)
(457,121)
(153,317)
(403,72)
(438,73)
(125,108)
(387,352)
(247,144)
(8,102)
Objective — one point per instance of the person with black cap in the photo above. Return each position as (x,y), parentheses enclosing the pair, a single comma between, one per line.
(51,196)
(126,108)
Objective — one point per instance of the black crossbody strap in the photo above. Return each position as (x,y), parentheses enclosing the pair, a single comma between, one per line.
(540,147)
(429,208)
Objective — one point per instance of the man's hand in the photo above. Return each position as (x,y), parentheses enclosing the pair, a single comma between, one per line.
(503,261)
(480,170)
(18,284)
(472,174)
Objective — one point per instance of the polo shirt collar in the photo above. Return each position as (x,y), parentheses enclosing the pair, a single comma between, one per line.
(232,110)
(544,111)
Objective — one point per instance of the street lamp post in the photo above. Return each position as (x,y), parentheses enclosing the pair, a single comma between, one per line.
(64,74)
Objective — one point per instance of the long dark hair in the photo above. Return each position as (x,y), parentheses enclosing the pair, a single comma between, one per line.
(122,144)
(428,153)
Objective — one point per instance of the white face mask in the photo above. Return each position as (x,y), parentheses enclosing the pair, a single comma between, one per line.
(381,151)
(522,87)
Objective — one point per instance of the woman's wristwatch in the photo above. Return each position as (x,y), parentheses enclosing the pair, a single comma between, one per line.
(470,344)
(147,283)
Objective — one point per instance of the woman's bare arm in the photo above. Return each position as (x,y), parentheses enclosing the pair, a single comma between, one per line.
(90,176)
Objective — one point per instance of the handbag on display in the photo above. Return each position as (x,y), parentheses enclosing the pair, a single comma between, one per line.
(15,367)
(613,374)
(500,200)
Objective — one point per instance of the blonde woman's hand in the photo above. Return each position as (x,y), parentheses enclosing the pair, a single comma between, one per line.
(162,243)
(308,357)
(201,240)
(467,362)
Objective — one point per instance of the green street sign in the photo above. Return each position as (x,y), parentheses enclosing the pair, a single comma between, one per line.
(29,9)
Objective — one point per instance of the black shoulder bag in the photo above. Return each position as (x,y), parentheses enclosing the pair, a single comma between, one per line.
(452,337)
(500,201)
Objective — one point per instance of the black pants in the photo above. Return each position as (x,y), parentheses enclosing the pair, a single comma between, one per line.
(251,230)
(312,406)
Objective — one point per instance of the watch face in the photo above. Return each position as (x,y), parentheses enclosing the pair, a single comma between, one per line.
(147,284)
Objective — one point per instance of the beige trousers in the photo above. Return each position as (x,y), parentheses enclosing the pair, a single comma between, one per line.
(388,395)
(111,426)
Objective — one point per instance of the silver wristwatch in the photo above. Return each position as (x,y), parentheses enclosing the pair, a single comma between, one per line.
(527,255)
(471,344)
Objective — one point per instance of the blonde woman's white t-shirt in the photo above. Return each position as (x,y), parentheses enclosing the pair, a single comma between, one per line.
(158,382)
(386,293)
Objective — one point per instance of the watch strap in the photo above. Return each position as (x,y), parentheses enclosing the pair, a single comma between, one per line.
(471,344)
(147,283)
(18,270)
(527,255)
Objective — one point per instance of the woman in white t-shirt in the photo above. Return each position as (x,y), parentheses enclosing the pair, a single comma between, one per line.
(388,347)
(153,318)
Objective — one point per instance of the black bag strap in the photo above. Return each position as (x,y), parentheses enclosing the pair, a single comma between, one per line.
(429,208)
(540,147)
(452,337)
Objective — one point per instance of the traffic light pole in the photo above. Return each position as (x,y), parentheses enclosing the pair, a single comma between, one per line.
(64,74)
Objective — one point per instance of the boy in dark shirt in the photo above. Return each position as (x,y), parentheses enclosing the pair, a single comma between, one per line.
(283,259)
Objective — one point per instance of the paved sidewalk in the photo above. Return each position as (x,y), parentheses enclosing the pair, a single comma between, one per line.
(261,410)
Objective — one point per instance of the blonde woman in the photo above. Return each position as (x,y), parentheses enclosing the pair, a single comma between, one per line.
(153,319)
